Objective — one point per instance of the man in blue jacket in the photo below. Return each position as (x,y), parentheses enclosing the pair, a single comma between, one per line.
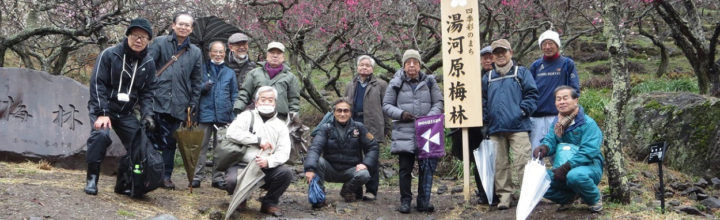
(123,77)
(218,93)
(549,72)
(509,97)
(178,86)
(342,151)
(581,174)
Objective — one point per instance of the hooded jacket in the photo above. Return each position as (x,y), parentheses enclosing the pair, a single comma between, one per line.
(105,81)
(285,82)
(216,105)
(179,85)
(508,100)
(425,99)
(373,117)
(342,151)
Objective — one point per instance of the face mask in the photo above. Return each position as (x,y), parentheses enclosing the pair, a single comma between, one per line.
(242,57)
(217,63)
(265,109)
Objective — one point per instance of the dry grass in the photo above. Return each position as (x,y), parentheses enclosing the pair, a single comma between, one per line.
(44,165)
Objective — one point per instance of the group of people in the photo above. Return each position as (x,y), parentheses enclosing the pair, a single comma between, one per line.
(526,111)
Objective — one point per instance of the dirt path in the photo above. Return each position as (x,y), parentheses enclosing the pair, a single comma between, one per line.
(27,191)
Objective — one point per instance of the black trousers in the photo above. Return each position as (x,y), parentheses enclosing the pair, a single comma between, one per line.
(165,141)
(125,126)
(372,185)
(276,179)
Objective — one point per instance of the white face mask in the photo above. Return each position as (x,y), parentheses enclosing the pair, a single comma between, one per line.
(216,62)
(242,57)
(265,109)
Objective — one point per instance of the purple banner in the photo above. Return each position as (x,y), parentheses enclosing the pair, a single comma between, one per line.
(430,134)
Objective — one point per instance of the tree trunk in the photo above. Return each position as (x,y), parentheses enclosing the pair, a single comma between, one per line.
(614,31)
(3,49)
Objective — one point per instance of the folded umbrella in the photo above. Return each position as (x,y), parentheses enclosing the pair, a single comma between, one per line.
(248,180)
(485,163)
(534,185)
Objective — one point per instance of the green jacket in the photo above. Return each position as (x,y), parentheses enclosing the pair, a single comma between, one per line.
(287,85)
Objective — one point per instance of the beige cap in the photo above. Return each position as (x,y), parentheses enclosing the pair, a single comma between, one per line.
(411,54)
(276,45)
(502,43)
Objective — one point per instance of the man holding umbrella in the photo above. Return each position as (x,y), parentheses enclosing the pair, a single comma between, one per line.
(268,147)
(579,173)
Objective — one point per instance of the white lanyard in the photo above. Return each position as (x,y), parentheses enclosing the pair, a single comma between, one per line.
(132,79)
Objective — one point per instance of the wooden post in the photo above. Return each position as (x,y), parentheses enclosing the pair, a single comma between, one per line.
(466,165)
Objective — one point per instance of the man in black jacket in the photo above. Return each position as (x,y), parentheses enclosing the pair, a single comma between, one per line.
(123,77)
(342,151)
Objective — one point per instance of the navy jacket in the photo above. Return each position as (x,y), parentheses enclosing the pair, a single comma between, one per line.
(548,75)
(105,81)
(343,153)
(217,105)
(508,100)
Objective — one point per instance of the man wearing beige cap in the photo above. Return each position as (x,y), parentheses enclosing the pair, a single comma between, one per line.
(238,59)
(276,74)
(509,98)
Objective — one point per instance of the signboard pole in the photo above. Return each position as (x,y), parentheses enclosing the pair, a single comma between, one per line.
(662,188)
(466,165)
(657,155)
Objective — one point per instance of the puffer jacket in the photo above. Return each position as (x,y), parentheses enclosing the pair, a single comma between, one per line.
(585,134)
(342,151)
(373,117)
(216,105)
(241,70)
(426,99)
(285,82)
(105,81)
(509,100)
(179,85)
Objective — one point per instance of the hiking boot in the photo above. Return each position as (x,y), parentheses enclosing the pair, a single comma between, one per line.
(319,205)
(168,184)
(347,194)
(93,173)
(597,207)
(426,208)
(368,197)
(404,206)
(195,184)
(219,184)
(270,209)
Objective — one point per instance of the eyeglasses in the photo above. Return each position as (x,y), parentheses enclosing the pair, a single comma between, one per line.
(217,51)
(342,110)
(134,37)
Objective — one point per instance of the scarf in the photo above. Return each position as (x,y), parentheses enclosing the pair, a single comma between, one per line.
(239,61)
(552,58)
(564,121)
(272,72)
(502,70)
(131,54)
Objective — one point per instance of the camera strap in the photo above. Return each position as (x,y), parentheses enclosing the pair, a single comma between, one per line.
(132,78)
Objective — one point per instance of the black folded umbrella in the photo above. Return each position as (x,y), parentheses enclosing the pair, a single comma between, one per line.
(209,29)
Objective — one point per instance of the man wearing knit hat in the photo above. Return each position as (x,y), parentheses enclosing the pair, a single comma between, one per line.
(238,58)
(123,76)
(412,94)
(509,97)
(550,71)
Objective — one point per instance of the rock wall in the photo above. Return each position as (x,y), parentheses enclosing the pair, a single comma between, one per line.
(688,122)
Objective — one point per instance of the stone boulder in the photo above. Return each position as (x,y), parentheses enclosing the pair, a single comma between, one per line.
(690,123)
(46,117)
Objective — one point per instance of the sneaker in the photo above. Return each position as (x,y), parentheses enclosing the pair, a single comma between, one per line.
(195,184)
(219,184)
(368,197)
(168,184)
(349,197)
(504,204)
(597,207)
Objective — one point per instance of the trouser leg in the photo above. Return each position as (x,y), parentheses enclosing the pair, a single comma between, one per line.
(277,181)
(166,126)
(503,177)
(406,161)
(231,178)
(583,181)
(372,185)
(427,169)
(520,153)
(208,131)
(559,192)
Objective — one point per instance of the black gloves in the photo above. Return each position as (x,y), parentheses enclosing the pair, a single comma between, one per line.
(149,123)
(541,151)
(207,86)
(406,116)
(561,172)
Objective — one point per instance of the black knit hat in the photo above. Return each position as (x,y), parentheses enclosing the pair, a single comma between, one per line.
(142,24)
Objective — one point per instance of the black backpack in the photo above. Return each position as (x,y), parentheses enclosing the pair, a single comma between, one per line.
(141,169)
